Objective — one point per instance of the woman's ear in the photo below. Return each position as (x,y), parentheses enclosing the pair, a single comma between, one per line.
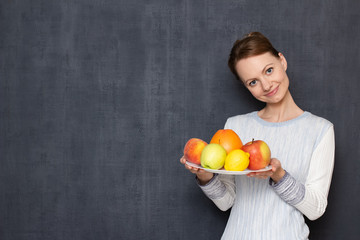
(283,61)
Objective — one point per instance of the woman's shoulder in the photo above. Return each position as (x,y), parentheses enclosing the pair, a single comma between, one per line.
(318,127)
(317,120)
(241,118)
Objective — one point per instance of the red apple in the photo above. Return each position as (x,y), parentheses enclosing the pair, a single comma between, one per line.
(260,154)
(193,149)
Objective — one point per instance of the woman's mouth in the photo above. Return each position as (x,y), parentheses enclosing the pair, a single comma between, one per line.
(273,92)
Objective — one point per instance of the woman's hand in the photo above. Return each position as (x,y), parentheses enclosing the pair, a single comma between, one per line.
(202,175)
(276,173)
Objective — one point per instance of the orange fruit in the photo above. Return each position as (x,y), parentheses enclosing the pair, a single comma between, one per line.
(228,139)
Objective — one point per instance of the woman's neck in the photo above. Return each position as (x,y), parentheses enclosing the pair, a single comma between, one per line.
(282,111)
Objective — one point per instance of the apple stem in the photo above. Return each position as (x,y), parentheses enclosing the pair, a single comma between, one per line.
(252,141)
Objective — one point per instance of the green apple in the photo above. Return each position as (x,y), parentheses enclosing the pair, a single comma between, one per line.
(213,156)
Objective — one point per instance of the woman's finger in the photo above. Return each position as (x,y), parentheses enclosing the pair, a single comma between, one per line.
(183,160)
(262,175)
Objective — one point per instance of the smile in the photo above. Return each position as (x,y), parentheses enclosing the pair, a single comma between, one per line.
(273,92)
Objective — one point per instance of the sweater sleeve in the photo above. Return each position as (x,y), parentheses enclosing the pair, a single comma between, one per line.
(317,184)
(221,190)
(311,198)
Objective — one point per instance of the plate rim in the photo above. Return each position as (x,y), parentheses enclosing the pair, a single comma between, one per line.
(223,171)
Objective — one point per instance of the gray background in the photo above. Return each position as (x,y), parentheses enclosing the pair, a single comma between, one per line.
(98,98)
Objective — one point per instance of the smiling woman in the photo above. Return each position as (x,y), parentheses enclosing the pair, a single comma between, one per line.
(262,69)
(265,77)
(302,144)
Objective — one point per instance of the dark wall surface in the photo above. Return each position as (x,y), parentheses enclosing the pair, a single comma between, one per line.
(97,99)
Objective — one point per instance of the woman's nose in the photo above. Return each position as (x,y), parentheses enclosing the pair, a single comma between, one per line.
(266,85)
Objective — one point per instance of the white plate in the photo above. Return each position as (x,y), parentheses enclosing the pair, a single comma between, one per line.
(223,171)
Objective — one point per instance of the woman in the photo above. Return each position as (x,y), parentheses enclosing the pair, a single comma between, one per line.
(271,205)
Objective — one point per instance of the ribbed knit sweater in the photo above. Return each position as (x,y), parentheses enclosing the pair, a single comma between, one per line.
(264,210)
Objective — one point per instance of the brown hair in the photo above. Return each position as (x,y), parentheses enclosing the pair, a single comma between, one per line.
(252,44)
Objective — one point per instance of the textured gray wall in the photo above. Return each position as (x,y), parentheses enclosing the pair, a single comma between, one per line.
(97,99)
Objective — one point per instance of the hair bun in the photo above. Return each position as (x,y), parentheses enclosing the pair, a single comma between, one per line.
(254,34)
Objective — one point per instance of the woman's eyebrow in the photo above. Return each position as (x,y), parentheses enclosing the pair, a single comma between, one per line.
(264,69)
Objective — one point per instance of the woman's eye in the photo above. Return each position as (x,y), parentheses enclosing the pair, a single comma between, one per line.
(252,83)
(269,70)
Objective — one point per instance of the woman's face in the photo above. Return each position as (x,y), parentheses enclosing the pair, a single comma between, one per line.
(264,76)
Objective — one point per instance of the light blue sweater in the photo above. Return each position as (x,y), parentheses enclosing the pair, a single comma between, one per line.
(262,209)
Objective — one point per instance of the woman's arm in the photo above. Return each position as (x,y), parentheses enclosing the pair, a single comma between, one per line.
(221,190)
(317,184)
(311,198)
